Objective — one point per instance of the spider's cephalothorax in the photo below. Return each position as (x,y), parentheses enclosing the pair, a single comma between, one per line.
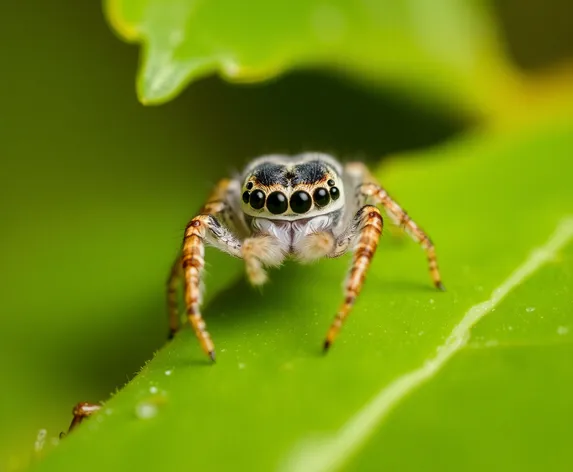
(279,189)
(304,207)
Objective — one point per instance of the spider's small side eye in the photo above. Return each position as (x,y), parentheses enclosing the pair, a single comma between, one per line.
(300,202)
(330,183)
(321,197)
(277,203)
(246,196)
(334,193)
(249,185)
(257,199)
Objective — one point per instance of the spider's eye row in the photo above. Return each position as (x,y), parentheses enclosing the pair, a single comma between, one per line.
(277,203)
(330,183)
(300,202)
(257,199)
(321,197)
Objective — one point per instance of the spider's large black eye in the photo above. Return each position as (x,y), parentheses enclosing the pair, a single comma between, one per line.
(249,185)
(257,199)
(277,203)
(300,202)
(334,193)
(321,197)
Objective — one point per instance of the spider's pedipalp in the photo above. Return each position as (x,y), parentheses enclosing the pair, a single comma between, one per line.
(260,251)
(315,246)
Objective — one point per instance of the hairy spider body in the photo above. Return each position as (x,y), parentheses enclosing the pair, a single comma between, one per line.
(304,207)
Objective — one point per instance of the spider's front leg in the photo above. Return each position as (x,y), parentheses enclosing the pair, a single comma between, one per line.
(204,228)
(365,229)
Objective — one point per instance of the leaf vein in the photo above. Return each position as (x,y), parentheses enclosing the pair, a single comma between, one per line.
(332,452)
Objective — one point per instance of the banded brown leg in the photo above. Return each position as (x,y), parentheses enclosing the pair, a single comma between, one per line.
(203,229)
(81,411)
(368,223)
(172,296)
(378,195)
(192,262)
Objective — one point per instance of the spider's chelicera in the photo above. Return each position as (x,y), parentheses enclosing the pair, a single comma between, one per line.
(304,207)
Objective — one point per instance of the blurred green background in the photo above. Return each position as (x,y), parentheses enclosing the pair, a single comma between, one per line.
(95,189)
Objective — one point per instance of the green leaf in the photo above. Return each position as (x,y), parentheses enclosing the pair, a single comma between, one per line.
(504,403)
(273,401)
(445,50)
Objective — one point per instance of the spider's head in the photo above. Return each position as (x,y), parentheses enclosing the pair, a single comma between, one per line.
(285,188)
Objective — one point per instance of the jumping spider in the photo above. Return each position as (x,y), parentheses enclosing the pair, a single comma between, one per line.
(304,207)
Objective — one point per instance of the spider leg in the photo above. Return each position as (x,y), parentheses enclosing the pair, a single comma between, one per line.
(172,296)
(365,230)
(369,190)
(81,411)
(379,195)
(205,228)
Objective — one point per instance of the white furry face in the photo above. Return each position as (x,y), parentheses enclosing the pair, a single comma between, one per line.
(291,233)
(292,188)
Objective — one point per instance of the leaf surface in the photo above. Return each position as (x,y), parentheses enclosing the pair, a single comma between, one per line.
(272,393)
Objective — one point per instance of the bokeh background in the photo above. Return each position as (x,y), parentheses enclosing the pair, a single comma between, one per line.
(95,188)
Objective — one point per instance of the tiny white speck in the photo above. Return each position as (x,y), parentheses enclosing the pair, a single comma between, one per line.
(562,330)
(510,328)
(145,410)
(153,389)
(108,411)
(530,309)
(40,440)
(168,372)
(223,350)
(241,365)
(431,301)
